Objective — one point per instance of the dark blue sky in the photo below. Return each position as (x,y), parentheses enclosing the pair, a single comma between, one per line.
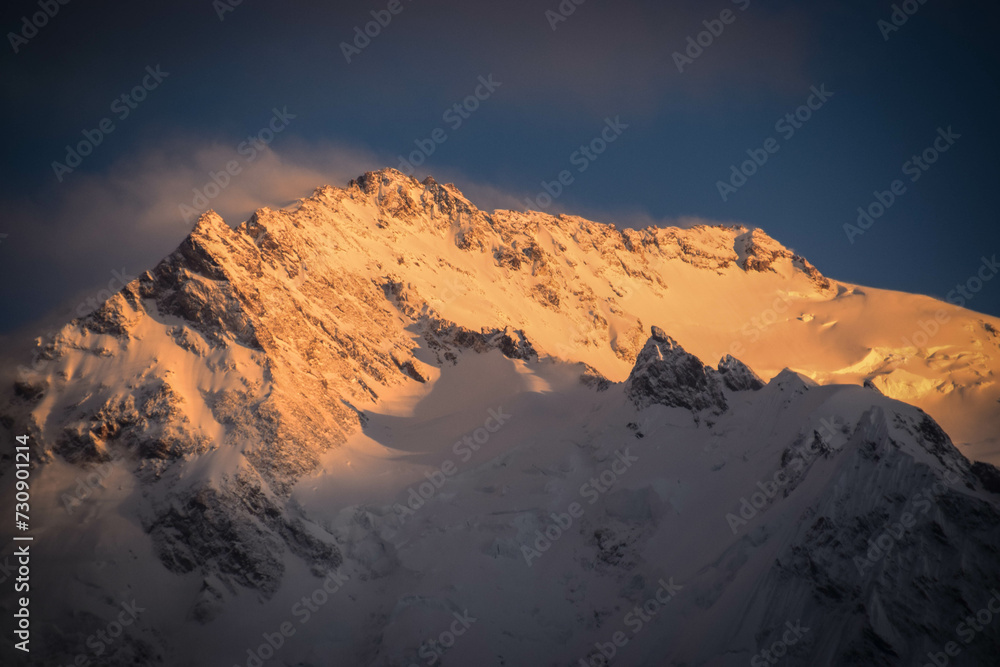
(120,207)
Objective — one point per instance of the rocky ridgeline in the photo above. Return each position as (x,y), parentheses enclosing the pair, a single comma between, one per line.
(302,325)
(667,375)
(272,339)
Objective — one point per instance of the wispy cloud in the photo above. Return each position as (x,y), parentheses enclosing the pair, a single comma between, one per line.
(132,215)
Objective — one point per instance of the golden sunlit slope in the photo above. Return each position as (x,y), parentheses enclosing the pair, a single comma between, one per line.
(587,291)
(332,286)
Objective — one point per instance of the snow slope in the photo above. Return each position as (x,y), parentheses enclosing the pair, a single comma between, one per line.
(386,389)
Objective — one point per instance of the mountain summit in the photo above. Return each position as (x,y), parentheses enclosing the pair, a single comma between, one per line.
(428,413)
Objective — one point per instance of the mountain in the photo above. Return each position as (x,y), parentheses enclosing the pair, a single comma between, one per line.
(383,427)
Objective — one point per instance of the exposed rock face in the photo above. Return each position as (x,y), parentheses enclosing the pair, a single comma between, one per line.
(593,378)
(222,381)
(861,560)
(737,376)
(237,535)
(665,374)
(869,384)
(759,252)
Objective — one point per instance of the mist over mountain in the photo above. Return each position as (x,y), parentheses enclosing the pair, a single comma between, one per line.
(384,427)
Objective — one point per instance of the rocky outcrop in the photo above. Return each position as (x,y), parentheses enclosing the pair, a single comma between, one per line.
(737,376)
(665,374)
(224,376)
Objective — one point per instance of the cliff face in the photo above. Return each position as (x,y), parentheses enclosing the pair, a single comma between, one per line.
(665,374)
(260,408)
(272,337)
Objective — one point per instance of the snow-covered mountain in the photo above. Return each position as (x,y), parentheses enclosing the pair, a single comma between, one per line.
(383,427)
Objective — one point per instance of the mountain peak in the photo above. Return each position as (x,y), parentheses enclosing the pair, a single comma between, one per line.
(268,399)
(384,176)
(659,335)
(665,374)
(208,222)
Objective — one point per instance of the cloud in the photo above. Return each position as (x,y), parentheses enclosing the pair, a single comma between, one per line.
(66,242)
(75,233)
(72,239)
